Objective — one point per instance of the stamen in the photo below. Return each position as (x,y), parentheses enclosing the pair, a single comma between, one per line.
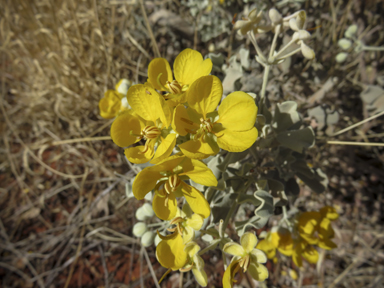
(185,269)
(174,87)
(187,121)
(179,229)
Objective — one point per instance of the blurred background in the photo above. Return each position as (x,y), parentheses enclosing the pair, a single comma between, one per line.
(65,218)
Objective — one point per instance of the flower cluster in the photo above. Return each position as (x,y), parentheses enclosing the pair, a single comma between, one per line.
(173,121)
(297,240)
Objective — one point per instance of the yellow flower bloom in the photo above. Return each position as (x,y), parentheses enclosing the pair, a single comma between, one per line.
(246,257)
(166,178)
(188,67)
(149,121)
(231,127)
(174,255)
(114,101)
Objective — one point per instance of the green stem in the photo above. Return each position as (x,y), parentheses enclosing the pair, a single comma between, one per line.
(373,48)
(265,81)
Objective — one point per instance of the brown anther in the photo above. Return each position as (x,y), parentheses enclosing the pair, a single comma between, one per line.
(185,269)
(151,132)
(187,121)
(149,93)
(177,220)
(174,87)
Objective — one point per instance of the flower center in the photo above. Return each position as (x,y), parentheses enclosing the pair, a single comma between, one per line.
(206,124)
(150,132)
(172,184)
(174,87)
(244,262)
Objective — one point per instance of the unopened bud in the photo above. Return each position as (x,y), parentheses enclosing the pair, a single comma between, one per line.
(157,240)
(300,19)
(307,51)
(147,238)
(351,31)
(144,212)
(139,229)
(122,86)
(344,44)
(341,57)
(275,16)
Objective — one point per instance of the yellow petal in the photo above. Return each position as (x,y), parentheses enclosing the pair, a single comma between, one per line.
(136,155)
(182,124)
(192,249)
(234,249)
(229,274)
(196,221)
(196,200)
(165,148)
(200,276)
(171,254)
(122,127)
(326,243)
(146,102)
(248,241)
(237,112)
(267,247)
(258,271)
(308,222)
(189,66)
(329,212)
(258,256)
(156,67)
(188,234)
(204,94)
(110,104)
(144,182)
(325,229)
(234,141)
(165,209)
(296,256)
(310,254)
(197,149)
(201,174)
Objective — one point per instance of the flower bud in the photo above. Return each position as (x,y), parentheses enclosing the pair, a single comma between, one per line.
(148,210)
(147,238)
(344,44)
(341,57)
(293,24)
(122,86)
(275,16)
(351,31)
(303,34)
(139,229)
(157,240)
(307,51)
(300,19)
(124,103)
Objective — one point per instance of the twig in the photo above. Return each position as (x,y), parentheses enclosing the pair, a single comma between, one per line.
(153,40)
(151,268)
(355,143)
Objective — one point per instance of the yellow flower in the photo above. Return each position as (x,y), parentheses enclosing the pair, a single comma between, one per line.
(174,254)
(149,121)
(166,178)
(231,127)
(188,67)
(114,101)
(246,257)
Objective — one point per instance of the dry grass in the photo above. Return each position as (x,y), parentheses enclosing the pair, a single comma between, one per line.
(64,217)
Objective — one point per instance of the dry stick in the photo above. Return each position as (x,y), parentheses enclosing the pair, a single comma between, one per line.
(358,124)
(355,143)
(149,264)
(103,42)
(138,46)
(154,44)
(101,128)
(81,233)
(106,282)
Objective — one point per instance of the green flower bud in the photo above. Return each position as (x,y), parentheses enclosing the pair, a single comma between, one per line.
(147,238)
(139,229)
(344,44)
(341,57)
(351,31)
